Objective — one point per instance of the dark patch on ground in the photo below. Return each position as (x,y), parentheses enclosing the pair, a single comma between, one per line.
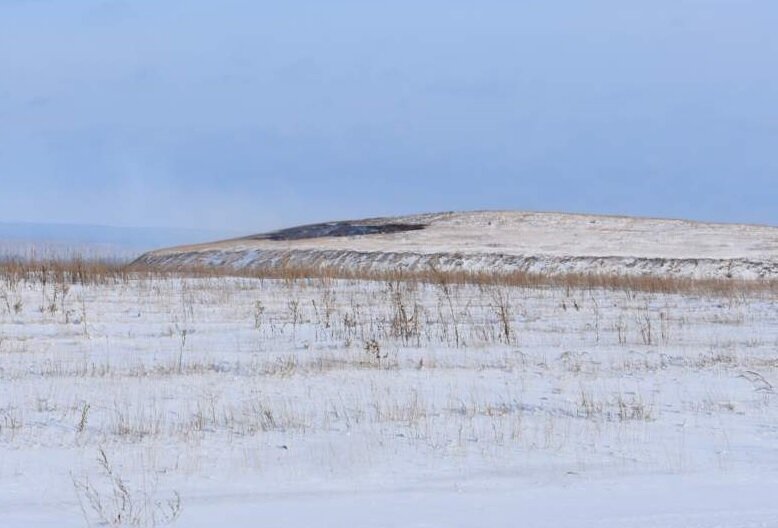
(337,229)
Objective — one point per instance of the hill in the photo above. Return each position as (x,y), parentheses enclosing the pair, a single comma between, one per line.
(502,241)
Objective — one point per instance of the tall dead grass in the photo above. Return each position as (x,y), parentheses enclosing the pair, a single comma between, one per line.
(101,272)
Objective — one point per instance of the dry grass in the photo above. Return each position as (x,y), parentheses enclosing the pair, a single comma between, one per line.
(308,374)
(102,272)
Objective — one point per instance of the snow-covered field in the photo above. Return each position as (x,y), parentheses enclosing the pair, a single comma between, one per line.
(247,402)
(547,243)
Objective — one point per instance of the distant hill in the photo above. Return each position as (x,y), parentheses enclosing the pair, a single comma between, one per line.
(25,239)
(548,243)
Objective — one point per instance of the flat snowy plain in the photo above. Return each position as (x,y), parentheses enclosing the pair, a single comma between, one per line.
(248,402)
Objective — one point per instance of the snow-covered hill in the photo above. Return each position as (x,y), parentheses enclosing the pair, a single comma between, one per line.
(503,241)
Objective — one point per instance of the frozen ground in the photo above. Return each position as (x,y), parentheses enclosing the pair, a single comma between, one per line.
(504,241)
(274,403)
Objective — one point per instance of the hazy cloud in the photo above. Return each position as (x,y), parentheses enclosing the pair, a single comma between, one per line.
(249,116)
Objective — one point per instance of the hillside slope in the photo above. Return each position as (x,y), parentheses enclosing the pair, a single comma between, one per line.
(502,241)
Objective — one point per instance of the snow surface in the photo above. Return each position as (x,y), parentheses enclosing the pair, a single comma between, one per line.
(310,403)
(507,241)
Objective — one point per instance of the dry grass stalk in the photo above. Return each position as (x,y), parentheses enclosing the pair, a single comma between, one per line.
(102,272)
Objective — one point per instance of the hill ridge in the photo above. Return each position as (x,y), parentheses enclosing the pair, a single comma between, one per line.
(502,241)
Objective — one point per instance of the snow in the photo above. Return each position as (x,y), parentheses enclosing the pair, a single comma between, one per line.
(262,402)
(636,503)
(508,241)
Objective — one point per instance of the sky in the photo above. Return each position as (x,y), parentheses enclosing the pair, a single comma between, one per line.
(248,115)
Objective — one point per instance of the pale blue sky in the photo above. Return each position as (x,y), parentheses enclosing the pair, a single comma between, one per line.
(250,115)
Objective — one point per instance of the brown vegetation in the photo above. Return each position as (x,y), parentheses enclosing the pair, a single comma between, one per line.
(88,272)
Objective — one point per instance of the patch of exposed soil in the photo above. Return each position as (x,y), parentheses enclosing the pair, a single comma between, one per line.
(337,229)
